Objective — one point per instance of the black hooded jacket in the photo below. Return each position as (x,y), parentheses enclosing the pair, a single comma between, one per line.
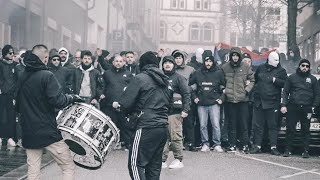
(8,77)
(301,89)
(210,83)
(39,95)
(63,76)
(194,63)
(133,68)
(150,93)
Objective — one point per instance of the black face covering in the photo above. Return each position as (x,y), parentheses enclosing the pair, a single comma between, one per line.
(85,67)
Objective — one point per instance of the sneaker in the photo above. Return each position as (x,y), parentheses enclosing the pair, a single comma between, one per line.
(274,151)
(255,150)
(11,142)
(218,149)
(192,148)
(205,148)
(176,164)
(305,154)
(164,165)
(231,149)
(245,149)
(287,153)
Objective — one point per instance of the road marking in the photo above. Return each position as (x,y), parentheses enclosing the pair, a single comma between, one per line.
(298,173)
(303,171)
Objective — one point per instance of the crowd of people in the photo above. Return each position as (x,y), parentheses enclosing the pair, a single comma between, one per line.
(224,107)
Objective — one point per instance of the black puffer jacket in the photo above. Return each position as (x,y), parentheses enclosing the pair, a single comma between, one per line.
(148,92)
(301,89)
(38,97)
(210,83)
(266,92)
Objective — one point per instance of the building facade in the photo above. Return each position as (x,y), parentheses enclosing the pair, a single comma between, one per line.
(309,40)
(190,24)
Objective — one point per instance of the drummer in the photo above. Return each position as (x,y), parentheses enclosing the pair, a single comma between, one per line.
(38,94)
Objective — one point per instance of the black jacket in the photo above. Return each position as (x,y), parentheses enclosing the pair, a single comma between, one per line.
(182,94)
(96,83)
(148,92)
(210,84)
(115,80)
(133,69)
(267,93)
(63,76)
(8,77)
(194,63)
(38,97)
(301,90)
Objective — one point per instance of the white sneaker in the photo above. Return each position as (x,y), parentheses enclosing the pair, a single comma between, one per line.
(164,165)
(218,149)
(176,164)
(205,148)
(11,142)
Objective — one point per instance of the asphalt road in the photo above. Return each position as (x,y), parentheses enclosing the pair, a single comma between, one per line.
(207,166)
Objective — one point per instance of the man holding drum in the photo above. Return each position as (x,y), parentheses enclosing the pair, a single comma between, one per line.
(38,94)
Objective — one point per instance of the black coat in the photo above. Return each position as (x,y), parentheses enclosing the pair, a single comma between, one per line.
(39,95)
(8,77)
(301,90)
(148,92)
(209,85)
(96,83)
(133,69)
(63,76)
(267,93)
(194,63)
(115,80)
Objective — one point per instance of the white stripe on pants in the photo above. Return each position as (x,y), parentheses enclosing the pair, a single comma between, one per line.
(134,154)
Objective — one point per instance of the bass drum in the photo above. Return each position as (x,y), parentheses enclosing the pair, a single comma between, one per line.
(89,133)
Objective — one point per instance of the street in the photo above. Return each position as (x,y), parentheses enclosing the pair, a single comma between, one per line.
(204,166)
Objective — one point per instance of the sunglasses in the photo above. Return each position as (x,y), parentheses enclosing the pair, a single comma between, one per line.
(305,65)
(11,53)
(55,59)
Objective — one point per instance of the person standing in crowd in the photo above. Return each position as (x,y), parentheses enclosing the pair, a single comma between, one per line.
(210,83)
(131,65)
(61,73)
(303,90)
(8,81)
(103,60)
(148,95)
(239,83)
(196,61)
(269,80)
(66,62)
(116,80)
(178,112)
(88,82)
(123,55)
(38,93)
(77,58)
(188,122)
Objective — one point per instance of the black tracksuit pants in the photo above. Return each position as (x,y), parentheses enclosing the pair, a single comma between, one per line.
(238,121)
(188,126)
(145,154)
(298,113)
(261,118)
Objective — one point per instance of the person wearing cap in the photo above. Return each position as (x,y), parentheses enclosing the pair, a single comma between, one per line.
(269,81)
(8,81)
(239,83)
(178,111)
(209,96)
(147,97)
(303,90)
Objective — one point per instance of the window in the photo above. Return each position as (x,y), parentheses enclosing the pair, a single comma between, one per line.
(317,46)
(195,32)
(174,4)
(163,30)
(197,5)
(182,4)
(206,5)
(208,32)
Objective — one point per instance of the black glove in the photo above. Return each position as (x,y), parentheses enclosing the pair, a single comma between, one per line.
(76,98)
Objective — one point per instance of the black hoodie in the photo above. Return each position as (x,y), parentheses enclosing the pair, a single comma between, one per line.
(39,95)
(150,93)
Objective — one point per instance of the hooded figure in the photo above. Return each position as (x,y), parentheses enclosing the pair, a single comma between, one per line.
(196,61)
(147,98)
(65,60)
(235,62)
(181,67)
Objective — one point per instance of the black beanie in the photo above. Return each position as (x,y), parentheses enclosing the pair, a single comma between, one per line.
(304,61)
(209,58)
(6,50)
(246,55)
(148,58)
(206,53)
(168,58)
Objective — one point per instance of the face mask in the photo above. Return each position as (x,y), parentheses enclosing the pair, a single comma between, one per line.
(273,59)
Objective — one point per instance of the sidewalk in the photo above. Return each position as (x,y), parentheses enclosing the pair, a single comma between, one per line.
(13,163)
